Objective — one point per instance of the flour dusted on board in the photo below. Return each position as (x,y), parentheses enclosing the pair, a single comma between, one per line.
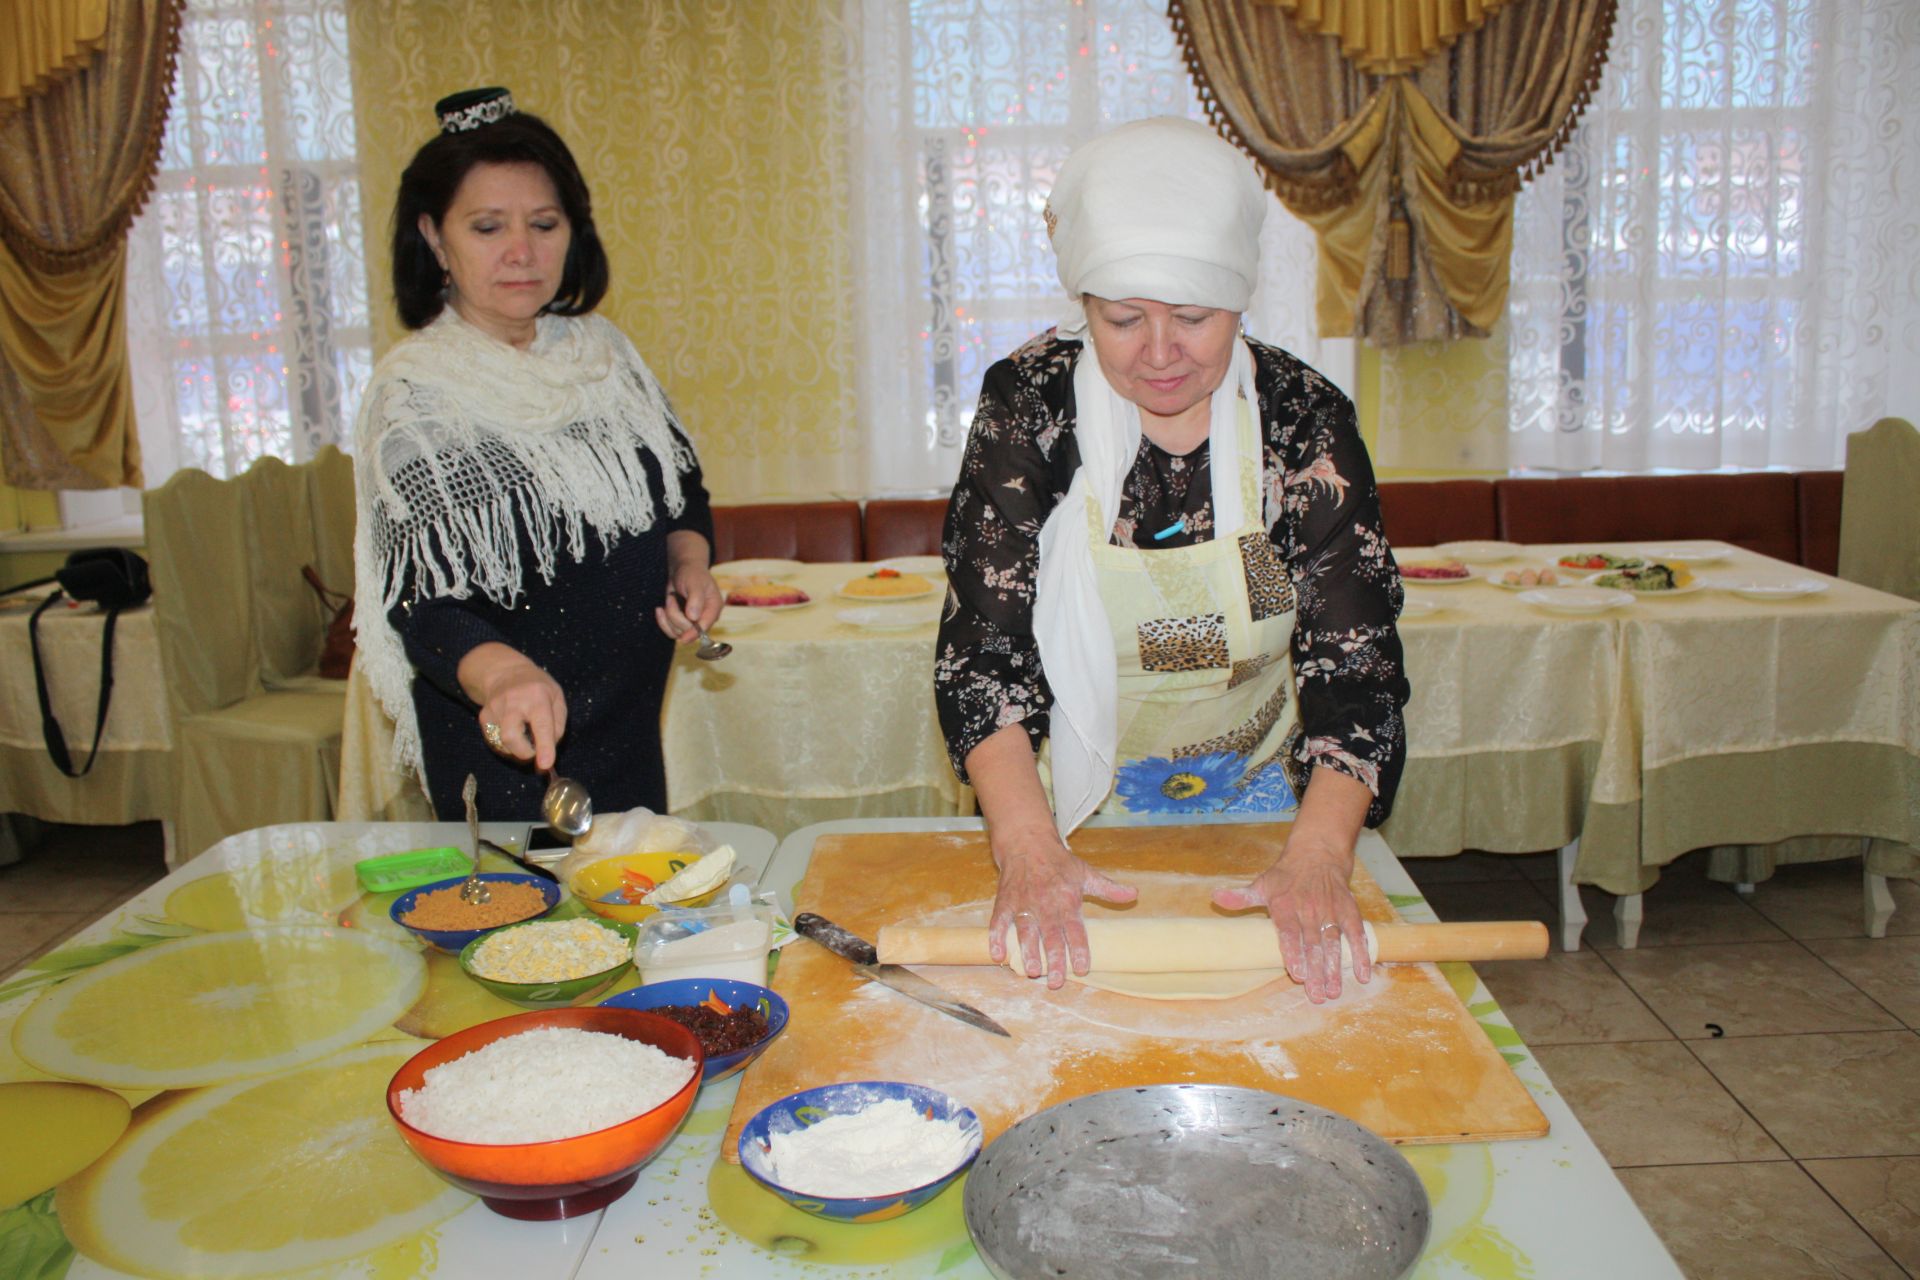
(887,1148)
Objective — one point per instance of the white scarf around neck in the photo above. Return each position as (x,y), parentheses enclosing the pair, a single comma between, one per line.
(1070,623)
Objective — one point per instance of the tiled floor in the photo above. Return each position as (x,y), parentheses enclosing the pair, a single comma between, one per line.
(1752,1069)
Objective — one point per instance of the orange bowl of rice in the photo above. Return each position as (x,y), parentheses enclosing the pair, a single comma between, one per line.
(551,1114)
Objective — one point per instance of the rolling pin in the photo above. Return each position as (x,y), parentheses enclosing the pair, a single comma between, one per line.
(1220,943)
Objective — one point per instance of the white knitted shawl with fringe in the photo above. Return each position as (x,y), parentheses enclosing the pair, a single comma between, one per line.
(463,441)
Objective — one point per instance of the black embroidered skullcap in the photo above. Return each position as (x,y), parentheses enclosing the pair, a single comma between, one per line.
(472,108)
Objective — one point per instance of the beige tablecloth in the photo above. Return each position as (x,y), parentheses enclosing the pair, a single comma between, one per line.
(812,718)
(1702,719)
(132,780)
(1673,724)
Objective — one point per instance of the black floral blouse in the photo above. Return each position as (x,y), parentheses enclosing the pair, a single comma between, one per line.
(1321,509)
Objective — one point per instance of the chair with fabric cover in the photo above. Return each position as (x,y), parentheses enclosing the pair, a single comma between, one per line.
(814,532)
(1880,509)
(256,730)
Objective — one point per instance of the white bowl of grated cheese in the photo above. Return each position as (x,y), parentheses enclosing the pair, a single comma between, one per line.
(544,964)
(864,1151)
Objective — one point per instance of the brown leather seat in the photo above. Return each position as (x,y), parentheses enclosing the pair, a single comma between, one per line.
(1819,494)
(1420,513)
(904,526)
(1757,510)
(809,531)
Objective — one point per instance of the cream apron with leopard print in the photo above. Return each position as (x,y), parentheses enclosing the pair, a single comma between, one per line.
(1203,637)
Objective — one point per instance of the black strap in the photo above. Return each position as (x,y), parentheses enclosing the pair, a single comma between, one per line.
(50,727)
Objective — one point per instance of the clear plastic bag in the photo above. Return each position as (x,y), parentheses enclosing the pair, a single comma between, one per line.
(635,831)
(729,940)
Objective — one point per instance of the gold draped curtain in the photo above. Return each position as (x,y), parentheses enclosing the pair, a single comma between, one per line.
(42,40)
(1407,178)
(712,137)
(76,164)
(1386,37)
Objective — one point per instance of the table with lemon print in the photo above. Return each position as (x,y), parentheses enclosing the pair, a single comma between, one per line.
(195,1085)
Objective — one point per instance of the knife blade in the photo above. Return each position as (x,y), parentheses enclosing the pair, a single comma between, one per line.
(866,963)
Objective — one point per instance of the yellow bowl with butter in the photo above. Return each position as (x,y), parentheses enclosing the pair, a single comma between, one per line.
(605,888)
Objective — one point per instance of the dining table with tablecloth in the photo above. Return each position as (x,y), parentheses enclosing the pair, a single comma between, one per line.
(1770,730)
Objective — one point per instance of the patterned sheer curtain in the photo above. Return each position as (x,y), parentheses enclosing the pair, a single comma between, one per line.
(246,277)
(1717,270)
(967,109)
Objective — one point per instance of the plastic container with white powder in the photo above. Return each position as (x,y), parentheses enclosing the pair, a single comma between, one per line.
(729,941)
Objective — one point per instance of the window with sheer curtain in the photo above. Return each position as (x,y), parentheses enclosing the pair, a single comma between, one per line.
(246,278)
(967,110)
(1708,276)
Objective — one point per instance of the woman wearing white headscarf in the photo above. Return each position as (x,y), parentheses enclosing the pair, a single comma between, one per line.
(1169,590)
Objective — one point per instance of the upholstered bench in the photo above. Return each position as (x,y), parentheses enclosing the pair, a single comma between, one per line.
(814,532)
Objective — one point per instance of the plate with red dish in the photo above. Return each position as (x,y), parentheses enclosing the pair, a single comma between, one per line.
(763,593)
(1434,573)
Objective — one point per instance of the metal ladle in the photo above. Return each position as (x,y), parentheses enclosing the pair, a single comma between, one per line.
(473,889)
(567,807)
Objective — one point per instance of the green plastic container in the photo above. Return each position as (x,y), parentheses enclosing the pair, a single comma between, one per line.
(397,872)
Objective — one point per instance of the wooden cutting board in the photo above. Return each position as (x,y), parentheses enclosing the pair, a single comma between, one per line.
(1400,1055)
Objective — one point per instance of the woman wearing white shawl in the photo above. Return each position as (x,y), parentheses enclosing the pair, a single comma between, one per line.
(533,533)
(1169,589)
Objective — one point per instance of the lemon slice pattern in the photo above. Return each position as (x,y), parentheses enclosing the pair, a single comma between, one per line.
(220,1006)
(292,888)
(259,1177)
(54,1130)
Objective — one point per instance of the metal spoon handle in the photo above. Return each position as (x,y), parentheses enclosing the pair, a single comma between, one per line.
(474,889)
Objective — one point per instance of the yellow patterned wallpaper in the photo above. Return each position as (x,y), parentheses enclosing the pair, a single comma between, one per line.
(711,136)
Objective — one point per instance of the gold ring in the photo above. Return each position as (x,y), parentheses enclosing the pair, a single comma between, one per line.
(491,732)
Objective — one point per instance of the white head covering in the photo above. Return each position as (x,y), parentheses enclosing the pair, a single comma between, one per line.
(1160,209)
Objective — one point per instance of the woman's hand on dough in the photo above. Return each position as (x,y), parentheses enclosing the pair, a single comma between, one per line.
(1041,885)
(1307,897)
(523,712)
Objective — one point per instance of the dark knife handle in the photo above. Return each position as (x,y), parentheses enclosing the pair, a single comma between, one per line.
(834,938)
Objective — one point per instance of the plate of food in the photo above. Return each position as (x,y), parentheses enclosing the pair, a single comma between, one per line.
(1576,599)
(1758,587)
(885,583)
(757,569)
(765,593)
(1526,579)
(1692,552)
(1596,562)
(1480,552)
(887,617)
(914,564)
(1655,581)
(1434,573)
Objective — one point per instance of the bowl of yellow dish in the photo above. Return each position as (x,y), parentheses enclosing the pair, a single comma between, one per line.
(614,887)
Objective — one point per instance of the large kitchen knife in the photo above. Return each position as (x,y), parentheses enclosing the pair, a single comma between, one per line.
(866,963)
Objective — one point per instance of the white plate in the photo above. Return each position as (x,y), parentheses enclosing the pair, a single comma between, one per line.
(740,617)
(845,594)
(775,569)
(1687,552)
(1480,552)
(1414,607)
(882,617)
(1492,577)
(774,608)
(1577,599)
(915,564)
(1770,588)
(1689,589)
